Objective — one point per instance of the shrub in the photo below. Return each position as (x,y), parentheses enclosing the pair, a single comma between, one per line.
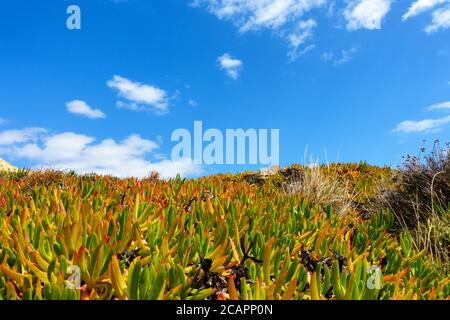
(421,201)
(424,184)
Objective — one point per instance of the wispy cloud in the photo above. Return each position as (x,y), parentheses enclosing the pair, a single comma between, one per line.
(295,21)
(81,108)
(10,137)
(139,96)
(440,106)
(2,121)
(327,56)
(298,36)
(366,14)
(72,151)
(192,103)
(440,20)
(231,65)
(346,55)
(131,106)
(419,6)
(427,125)
(257,14)
(285,18)
(294,54)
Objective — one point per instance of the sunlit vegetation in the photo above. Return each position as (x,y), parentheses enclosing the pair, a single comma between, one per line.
(317,233)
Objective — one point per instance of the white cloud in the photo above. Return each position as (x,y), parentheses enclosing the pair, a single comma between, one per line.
(257,14)
(140,96)
(331,8)
(276,13)
(193,103)
(283,17)
(294,21)
(170,169)
(295,54)
(130,106)
(231,65)
(11,137)
(440,21)
(420,6)
(297,37)
(366,14)
(327,56)
(81,108)
(71,151)
(345,56)
(440,106)
(427,125)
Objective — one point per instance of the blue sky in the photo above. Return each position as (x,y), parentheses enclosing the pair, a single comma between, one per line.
(345,80)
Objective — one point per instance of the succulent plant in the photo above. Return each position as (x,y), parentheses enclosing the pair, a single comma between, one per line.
(218,237)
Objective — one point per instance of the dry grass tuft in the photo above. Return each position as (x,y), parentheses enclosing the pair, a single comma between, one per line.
(319,188)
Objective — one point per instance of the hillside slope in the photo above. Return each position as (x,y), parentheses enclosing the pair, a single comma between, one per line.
(219,237)
(5,166)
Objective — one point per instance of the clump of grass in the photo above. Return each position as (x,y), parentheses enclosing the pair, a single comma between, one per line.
(433,234)
(319,188)
(365,182)
(19,174)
